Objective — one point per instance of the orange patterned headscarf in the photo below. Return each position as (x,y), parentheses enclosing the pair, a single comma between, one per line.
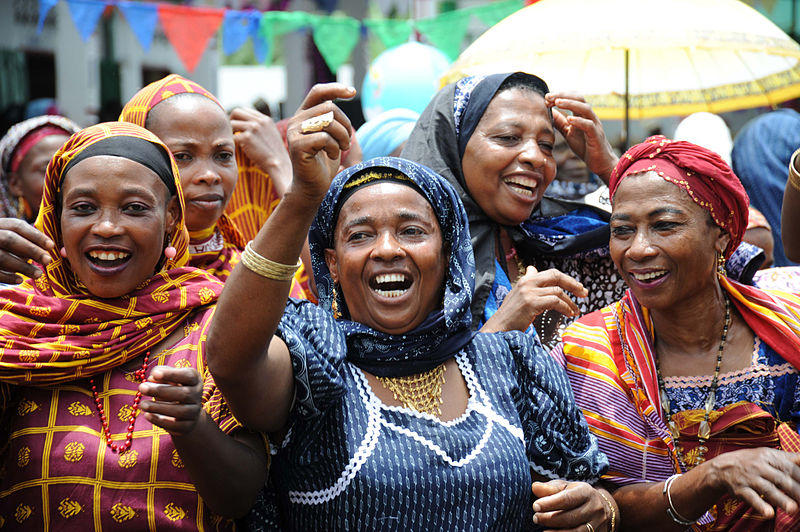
(241,203)
(53,330)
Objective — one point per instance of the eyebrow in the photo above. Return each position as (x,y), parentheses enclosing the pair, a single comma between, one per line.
(651,214)
(403,215)
(130,191)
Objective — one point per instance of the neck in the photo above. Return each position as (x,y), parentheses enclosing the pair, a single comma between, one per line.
(692,326)
(202,234)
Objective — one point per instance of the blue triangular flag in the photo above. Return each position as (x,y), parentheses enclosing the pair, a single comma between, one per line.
(260,46)
(44,8)
(142,18)
(85,15)
(236,28)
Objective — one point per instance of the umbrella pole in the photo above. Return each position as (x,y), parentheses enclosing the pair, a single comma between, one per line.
(627,100)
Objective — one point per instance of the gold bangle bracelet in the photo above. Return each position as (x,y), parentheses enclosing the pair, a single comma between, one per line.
(265,267)
(613,526)
(794,175)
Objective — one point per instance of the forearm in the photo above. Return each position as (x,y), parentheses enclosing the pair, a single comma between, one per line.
(644,506)
(790,212)
(255,379)
(227,472)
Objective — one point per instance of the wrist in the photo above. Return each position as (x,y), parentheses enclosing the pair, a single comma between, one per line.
(794,170)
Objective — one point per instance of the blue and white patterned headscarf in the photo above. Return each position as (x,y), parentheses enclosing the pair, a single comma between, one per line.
(445,331)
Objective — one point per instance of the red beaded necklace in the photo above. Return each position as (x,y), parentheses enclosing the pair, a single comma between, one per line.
(140,375)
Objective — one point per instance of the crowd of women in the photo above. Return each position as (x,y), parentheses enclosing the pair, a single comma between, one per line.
(213,322)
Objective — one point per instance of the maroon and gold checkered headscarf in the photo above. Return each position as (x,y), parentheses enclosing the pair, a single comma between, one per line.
(53,330)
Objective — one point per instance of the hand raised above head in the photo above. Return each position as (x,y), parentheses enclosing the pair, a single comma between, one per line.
(317,138)
(20,242)
(583,132)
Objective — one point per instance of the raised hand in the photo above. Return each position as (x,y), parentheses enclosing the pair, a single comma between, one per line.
(562,505)
(315,153)
(260,140)
(20,243)
(583,132)
(176,399)
(534,293)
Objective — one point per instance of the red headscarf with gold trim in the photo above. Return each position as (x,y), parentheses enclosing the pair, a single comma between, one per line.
(53,330)
(703,174)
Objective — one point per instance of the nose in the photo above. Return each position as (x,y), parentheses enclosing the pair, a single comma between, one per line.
(206,175)
(107,225)
(531,153)
(641,248)
(387,247)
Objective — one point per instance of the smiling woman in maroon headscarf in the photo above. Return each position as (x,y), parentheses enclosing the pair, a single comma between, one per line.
(686,380)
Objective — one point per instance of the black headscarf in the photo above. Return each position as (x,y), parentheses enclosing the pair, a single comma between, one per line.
(439,140)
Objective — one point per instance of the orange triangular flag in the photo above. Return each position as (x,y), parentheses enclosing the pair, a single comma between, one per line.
(189,29)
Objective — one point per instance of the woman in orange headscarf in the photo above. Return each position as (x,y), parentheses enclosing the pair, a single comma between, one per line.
(233,171)
(108,408)
(691,382)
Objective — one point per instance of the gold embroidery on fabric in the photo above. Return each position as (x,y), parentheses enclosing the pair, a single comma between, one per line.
(176,459)
(206,295)
(93,319)
(183,363)
(173,512)
(132,377)
(79,409)
(68,508)
(22,512)
(24,456)
(188,329)
(144,323)
(28,355)
(730,506)
(160,297)
(41,283)
(121,513)
(80,355)
(26,406)
(128,459)
(40,311)
(70,328)
(73,452)
(125,412)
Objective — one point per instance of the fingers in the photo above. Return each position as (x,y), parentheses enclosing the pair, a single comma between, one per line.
(571,495)
(172,424)
(326,91)
(561,122)
(177,412)
(544,489)
(169,374)
(749,496)
(245,114)
(570,509)
(20,242)
(579,107)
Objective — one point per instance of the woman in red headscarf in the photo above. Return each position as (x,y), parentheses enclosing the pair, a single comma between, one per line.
(690,382)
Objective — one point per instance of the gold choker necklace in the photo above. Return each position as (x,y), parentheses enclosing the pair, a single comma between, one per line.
(421,392)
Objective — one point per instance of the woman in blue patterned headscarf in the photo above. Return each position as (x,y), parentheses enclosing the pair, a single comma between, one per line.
(396,415)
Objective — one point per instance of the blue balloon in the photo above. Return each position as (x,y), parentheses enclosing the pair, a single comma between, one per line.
(404,76)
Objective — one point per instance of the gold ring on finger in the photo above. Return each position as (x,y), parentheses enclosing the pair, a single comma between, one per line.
(589,527)
(316,123)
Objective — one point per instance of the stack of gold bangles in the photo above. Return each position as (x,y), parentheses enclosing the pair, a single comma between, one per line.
(264,267)
(794,175)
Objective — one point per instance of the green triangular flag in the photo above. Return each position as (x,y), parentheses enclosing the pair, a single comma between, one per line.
(277,23)
(391,32)
(491,14)
(335,38)
(446,31)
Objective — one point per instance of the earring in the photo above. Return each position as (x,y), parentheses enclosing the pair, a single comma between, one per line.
(23,209)
(170,252)
(63,252)
(721,265)
(335,304)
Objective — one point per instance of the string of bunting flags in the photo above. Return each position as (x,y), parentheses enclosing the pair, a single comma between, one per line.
(189,28)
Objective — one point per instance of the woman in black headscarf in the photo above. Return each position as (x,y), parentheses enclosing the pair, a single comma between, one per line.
(492,137)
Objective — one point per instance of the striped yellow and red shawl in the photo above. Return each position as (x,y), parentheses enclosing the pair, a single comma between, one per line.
(609,359)
(53,331)
(254,197)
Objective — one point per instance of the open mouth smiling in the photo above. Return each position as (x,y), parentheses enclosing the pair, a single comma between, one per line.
(525,186)
(391,285)
(106,259)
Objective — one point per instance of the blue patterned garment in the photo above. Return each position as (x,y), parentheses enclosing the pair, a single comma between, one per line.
(769,381)
(349,462)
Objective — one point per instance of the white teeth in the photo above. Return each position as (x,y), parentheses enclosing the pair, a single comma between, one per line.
(108,255)
(529,184)
(390,293)
(649,275)
(390,278)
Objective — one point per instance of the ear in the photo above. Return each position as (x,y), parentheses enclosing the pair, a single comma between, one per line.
(333,266)
(173,214)
(723,238)
(14,186)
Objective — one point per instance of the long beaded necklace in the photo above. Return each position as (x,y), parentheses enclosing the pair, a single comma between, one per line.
(140,375)
(704,432)
(421,392)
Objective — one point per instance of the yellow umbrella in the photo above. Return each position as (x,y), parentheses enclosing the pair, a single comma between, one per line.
(644,58)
